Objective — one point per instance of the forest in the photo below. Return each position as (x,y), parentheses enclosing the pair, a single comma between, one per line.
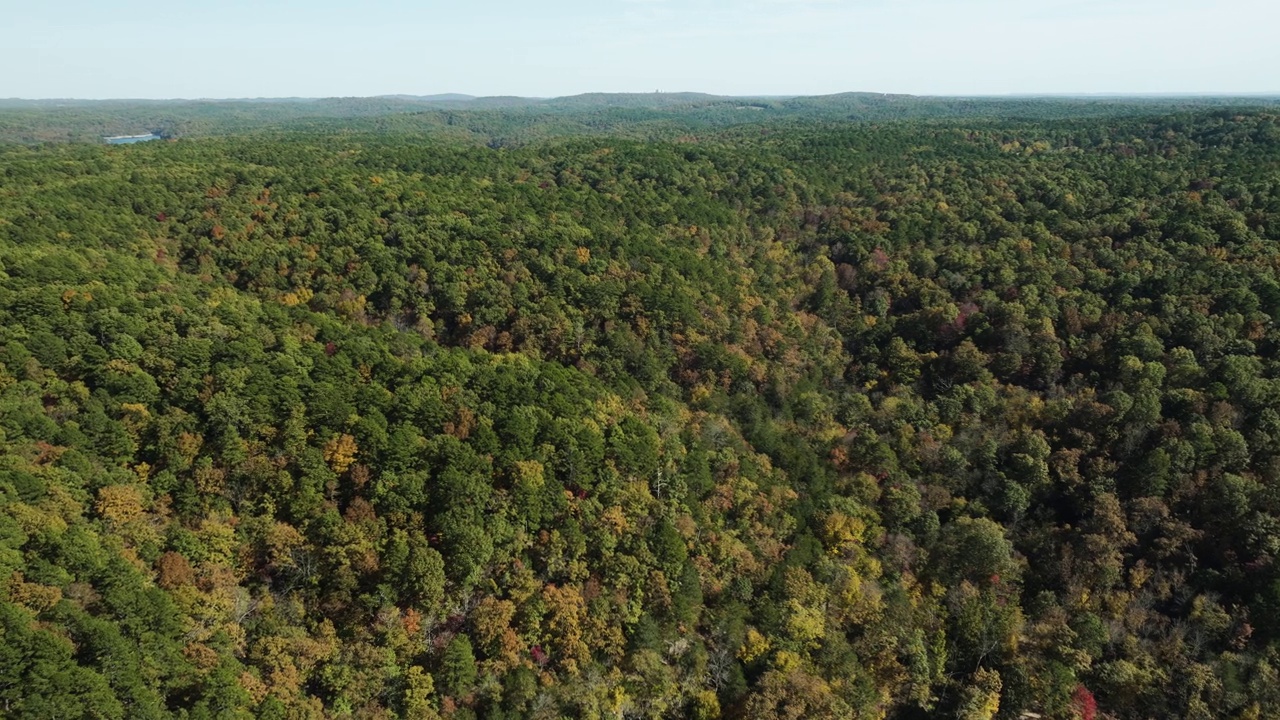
(941,415)
(517,121)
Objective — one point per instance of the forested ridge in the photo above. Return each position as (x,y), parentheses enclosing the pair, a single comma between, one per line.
(958,418)
(514,121)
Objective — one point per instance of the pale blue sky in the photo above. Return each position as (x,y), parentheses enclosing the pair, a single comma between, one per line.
(273,48)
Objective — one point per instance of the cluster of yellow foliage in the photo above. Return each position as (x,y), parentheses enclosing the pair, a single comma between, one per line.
(119,504)
(340,452)
(301,296)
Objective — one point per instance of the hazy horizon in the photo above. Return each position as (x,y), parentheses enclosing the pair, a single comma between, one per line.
(328,48)
(466,97)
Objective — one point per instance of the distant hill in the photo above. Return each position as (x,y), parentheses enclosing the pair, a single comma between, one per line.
(633,100)
(510,120)
(442,97)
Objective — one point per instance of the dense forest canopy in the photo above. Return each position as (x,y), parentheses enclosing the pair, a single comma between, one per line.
(949,417)
(506,121)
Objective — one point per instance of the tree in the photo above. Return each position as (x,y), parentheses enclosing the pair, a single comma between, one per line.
(458,666)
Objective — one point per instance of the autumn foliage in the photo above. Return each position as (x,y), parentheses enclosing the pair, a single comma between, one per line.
(956,418)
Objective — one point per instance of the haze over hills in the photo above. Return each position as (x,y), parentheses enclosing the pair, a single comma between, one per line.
(440,97)
(626,99)
(505,121)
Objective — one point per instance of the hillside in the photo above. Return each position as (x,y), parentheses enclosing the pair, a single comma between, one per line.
(512,121)
(949,417)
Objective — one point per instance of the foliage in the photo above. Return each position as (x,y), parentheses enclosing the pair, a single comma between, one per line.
(911,419)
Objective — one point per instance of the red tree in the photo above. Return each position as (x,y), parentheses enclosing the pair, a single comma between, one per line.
(1085,704)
